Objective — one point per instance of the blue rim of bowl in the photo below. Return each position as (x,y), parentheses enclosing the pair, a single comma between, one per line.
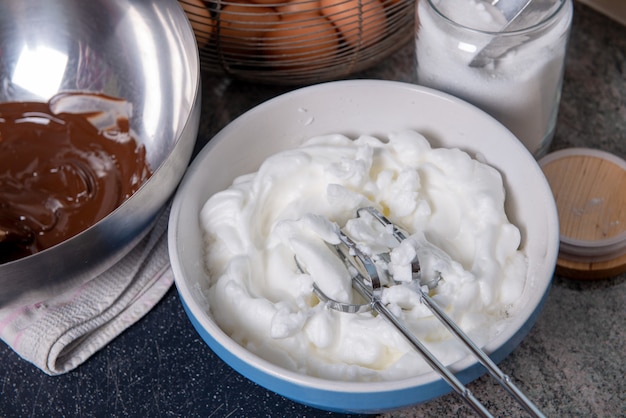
(363,402)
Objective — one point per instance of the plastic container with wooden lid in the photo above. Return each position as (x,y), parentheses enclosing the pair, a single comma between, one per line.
(589,188)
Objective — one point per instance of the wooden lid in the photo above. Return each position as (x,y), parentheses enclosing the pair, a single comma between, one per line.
(589,188)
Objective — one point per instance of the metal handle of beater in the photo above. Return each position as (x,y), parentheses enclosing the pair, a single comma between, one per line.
(432,361)
(373,293)
(504,380)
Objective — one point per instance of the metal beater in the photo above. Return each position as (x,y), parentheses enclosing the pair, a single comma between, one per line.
(366,281)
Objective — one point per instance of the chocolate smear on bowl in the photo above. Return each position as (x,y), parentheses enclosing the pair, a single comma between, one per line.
(60,172)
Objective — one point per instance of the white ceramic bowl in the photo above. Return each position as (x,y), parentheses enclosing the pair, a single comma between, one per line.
(353,108)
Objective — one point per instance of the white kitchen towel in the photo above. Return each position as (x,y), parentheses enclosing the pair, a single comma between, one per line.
(59,334)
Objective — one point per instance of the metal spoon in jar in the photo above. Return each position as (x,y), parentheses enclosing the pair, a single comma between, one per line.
(518,14)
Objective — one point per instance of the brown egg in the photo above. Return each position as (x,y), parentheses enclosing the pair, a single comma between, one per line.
(200,19)
(360,22)
(270,3)
(390,3)
(243,25)
(305,40)
(299,6)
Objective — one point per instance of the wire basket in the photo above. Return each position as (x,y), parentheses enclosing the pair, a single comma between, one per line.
(297,41)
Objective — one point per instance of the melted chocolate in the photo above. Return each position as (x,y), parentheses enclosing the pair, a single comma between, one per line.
(59,175)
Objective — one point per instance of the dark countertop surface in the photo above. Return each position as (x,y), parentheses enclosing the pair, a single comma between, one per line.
(573,362)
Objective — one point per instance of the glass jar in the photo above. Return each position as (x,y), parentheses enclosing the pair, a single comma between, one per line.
(512,71)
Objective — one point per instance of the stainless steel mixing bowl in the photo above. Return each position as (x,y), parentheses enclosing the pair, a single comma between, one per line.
(142,51)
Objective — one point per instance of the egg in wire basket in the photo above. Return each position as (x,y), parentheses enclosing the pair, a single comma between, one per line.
(296,42)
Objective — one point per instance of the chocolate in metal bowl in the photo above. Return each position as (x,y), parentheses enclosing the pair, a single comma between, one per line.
(140,51)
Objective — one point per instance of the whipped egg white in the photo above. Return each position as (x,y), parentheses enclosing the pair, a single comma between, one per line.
(261,231)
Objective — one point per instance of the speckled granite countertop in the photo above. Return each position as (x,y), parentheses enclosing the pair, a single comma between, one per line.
(573,362)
